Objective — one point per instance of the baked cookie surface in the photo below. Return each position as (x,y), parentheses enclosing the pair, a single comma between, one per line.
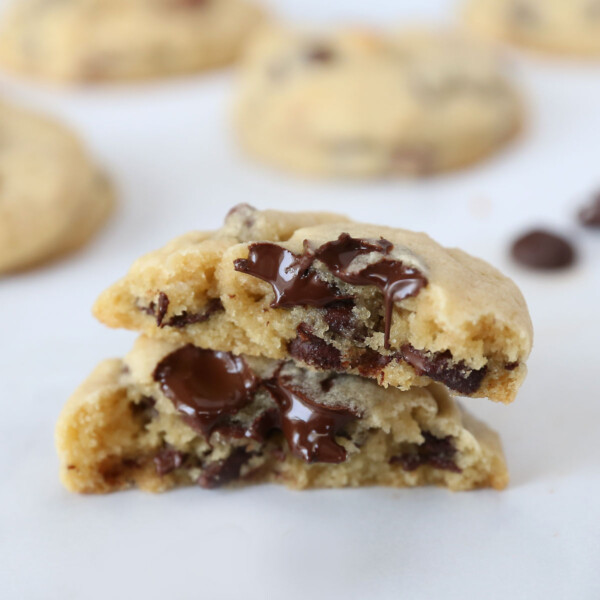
(557,26)
(53,198)
(96,40)
(359,103)
(173,415)
(334,295)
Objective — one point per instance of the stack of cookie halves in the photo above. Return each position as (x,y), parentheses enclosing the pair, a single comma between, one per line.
(300,348)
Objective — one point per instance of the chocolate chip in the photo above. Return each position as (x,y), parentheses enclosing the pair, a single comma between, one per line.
(369,363)
(341,321)
(540,249)
(205,386)
(115,469)
(321,54)
(511,366)
(221,472)
(167,460)
(182,320)
(440,366)
(589,216)
(144,409)
(312,350)
(435,452)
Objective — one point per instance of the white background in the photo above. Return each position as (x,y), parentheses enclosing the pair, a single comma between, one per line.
(168,148)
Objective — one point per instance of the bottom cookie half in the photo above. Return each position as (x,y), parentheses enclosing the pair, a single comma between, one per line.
(169,416)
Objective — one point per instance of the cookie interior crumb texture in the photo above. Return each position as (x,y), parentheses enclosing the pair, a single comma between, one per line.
(103,40)
(361,103)
(45,215)
(179,415)
(384,303)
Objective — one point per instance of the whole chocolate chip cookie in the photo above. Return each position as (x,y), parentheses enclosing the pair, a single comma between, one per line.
(360,103)
(171,415)
(99,40)
(52,199)
(561,26)
(334,295)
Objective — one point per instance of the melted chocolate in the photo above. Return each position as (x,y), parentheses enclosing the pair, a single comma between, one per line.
(441,367)
(289,274)
(296,284)
(435,452)
(396,280)
(370,362)
(308,427)
(205,386)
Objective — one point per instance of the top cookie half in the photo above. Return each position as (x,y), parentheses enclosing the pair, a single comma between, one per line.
(359,103)
(333,294)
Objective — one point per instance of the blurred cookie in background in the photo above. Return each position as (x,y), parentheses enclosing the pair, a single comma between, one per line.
(52,198)
(104,40)
(359,103)
(560,26)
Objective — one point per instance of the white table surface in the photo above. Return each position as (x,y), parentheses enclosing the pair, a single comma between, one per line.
(169,150)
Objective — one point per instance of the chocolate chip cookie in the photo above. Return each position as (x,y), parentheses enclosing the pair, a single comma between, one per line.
(334,295)
(171,415)
(53,197)
(358,103)
(561,26)
(103,40)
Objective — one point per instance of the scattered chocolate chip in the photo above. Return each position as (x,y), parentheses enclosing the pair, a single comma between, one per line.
(309,427)
(435,452)
(589,216)
(221,472)
(312,350)
(393,278)
(321,54)
(541,249)
(205,386)
(440,366)
(369,363)
(167,460)
(290,276)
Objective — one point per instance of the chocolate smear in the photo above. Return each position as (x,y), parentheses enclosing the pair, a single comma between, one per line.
(205,386)
(290,276)
(309,427)
(435,452)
